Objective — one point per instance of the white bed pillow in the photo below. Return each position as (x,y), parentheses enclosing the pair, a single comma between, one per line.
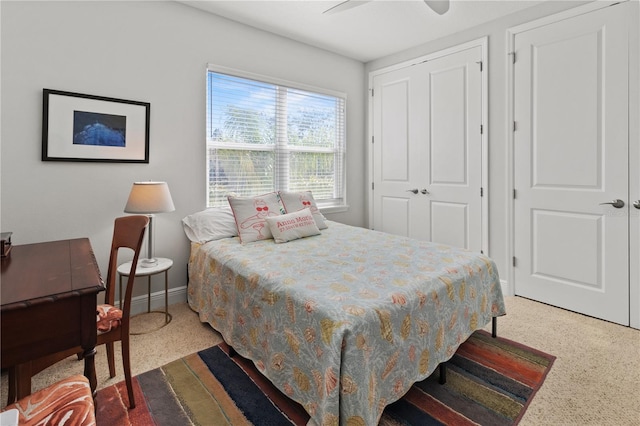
(291,226)
(296,201)
(210,224)
(251,213)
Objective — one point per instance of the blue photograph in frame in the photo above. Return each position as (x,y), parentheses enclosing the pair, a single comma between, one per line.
(92,128)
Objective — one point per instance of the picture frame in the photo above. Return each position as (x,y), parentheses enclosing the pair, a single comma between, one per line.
(81,127)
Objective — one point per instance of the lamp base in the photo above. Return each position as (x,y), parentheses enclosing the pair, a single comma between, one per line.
(148,263)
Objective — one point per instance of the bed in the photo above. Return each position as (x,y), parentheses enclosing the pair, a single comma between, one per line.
(346,321)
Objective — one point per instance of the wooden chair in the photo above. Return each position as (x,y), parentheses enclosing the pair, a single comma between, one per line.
(128,233)
(112,323)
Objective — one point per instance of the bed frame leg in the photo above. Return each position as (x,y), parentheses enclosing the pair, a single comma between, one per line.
(494,327)
(443,373)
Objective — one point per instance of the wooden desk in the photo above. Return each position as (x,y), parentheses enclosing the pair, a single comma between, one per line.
(49,297)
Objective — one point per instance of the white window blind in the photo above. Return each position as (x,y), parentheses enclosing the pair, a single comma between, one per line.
(265,136)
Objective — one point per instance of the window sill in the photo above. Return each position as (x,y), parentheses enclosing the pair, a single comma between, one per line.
(333,209)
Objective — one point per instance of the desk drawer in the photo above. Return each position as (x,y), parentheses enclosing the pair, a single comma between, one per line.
(47,328)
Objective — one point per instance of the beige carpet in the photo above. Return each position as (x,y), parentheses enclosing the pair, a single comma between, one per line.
(595,379)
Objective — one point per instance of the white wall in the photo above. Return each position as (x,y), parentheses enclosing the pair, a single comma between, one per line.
(155,52)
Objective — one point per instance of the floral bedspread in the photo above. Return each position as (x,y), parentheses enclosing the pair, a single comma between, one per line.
(343,322)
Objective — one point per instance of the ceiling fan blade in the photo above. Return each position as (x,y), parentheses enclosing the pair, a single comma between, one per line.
(438,6)
(345,5)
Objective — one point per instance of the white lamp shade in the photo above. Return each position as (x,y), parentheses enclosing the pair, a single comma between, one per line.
(149,198)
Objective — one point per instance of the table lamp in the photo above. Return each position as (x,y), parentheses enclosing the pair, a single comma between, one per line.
(149,198)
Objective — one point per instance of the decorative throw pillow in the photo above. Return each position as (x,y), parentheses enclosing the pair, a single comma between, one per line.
(210,224)
(251,213)
(292,226)
(295,201)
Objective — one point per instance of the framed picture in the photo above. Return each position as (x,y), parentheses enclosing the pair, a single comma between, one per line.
(78,127)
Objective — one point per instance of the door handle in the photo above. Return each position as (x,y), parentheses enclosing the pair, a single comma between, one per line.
(415,191)
(618,203)
(636,204)
(424,191)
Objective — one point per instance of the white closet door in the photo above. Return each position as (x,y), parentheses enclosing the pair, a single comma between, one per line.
(427,151)
(571,155)
(399,127)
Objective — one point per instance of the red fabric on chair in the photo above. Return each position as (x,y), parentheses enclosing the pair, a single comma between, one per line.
(108,318)
(67,402)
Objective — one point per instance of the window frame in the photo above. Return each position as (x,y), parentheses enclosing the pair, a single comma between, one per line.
(325,205)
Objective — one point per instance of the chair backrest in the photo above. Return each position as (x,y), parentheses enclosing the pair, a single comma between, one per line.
(128,232)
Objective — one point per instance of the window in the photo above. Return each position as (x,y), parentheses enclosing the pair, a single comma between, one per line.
(264,136)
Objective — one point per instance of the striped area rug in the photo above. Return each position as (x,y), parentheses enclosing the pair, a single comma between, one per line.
(489,382)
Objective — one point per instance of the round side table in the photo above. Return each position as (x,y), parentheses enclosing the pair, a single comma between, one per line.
(163,265)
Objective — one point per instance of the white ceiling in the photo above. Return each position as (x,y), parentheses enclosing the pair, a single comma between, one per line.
(369,31)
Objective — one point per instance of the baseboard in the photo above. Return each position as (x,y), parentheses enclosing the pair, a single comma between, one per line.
(505,288)
(176,295)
